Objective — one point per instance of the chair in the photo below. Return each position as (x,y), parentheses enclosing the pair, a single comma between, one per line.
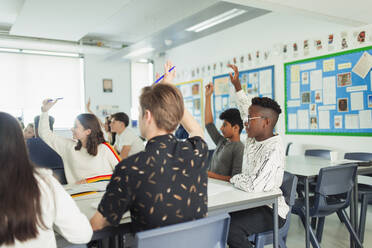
(364,191)
(211,231)
(289,192)
(59,174)
(332,185)
(323,153)
(210,155)
(287,149)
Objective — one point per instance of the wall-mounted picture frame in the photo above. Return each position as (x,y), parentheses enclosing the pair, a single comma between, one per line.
(107,85)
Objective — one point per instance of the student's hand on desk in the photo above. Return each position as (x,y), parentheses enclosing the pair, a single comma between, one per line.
(235,78)
(209,90)
(48,104)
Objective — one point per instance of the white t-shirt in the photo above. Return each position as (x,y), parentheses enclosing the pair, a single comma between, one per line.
(80,164)
(129,138)
(60,210)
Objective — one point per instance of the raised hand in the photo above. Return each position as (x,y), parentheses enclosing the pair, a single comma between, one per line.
(88,106)
(209,90)
(168,76)
(235,78)
(48,104)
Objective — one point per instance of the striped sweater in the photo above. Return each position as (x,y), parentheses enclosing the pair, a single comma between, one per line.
(263,162)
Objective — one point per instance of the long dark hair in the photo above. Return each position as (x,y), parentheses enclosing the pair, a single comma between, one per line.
(20,209)
(90,121)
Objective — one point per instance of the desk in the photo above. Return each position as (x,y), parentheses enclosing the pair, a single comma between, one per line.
(306,168)
(222,198)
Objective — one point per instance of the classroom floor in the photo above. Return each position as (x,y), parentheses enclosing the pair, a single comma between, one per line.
(335,233)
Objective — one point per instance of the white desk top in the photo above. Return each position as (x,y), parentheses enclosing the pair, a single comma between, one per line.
(221,195)
(310,166)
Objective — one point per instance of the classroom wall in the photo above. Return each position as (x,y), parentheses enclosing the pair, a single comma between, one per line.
(260,33)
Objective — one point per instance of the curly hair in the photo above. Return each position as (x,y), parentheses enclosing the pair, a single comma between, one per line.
(232,116)
(267,103)
(90,121)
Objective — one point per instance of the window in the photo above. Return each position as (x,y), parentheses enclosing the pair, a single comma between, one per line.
(27,79)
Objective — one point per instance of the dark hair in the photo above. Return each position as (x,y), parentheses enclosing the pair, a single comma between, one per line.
(232,116)
(20,194)
(165,102)
(121,116)
(90,121)
(270,104)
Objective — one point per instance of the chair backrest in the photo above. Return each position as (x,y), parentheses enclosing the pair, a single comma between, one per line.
(323,153)
(59,174)
(332,184)
(363,156)
(207,232)
(210,155)
(287,149)
(288,188)
(43,155)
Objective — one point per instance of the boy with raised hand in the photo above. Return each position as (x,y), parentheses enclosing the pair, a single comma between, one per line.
(167,182)
(262,168)
(227,157)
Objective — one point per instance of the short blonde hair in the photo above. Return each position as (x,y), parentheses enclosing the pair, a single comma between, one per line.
(165,102)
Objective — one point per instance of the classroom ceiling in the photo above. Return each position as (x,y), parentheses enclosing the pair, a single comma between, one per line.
(125,26)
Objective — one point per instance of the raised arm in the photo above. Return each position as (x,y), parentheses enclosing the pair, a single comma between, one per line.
(91,112)
(188,121)
(208,118)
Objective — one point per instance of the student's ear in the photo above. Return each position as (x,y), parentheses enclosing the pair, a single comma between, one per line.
(148,115)
(236,128)
(88,131)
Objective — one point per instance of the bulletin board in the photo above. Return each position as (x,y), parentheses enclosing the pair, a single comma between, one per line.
(256,82)
(330,95)
(192,92)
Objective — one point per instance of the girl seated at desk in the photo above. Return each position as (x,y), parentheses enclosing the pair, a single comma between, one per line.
(32,201)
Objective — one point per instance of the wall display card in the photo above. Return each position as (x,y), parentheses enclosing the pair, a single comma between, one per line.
(316,80)
(255,82)
(330,94)
(356,101)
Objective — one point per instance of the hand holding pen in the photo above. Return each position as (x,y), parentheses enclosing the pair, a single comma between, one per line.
(49,103)
(169,74)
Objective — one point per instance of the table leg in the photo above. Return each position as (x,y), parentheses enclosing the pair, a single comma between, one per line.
(276,225)
(307,212)
(354,211)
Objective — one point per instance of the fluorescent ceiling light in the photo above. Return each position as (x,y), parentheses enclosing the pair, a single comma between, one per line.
(216,20)
(143,60)
(139,52)
(76,55)
(9,50)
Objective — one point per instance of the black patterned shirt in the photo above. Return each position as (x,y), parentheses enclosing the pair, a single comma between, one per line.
(163,185)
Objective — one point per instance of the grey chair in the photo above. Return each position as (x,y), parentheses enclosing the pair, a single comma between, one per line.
(323,153)
(211,231)
(332,195)
(364,191)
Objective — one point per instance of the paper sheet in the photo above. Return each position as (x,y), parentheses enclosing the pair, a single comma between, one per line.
(356,101)
(218,103)
(308,66)
(344,66)
(328,65)
(316,80)
(329,90)
(324,120)
(292,121)
(351,121)
(293,103)
(303,119)
(305,77)
(312,109)
(295,73)
(265,82)
(221,85)
(356,88)
(365,118)
(337,121)
(327,107)
(295,90)
(363,66)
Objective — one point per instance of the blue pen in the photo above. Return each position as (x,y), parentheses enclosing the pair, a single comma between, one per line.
(58,98)
(163,75)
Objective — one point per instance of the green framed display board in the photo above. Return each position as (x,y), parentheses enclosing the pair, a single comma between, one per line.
(257,82)
(192,92)
(330,95)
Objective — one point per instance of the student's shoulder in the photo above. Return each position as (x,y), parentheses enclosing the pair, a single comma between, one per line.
(195,142)
(134,162)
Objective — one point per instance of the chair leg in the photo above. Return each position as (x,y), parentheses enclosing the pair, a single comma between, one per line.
(313,239)
(350,227)
(259,242)
(282,243)
(363,216)
(313,223)
(342,221)
(319,230)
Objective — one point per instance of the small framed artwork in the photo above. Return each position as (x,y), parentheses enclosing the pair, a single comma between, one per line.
(107,85)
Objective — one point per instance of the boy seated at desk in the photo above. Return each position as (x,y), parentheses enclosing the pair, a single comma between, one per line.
(167,182)
(262,168)
(228,155)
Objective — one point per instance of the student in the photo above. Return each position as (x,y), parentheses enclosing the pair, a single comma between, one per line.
(228,155)
(87,157)
(32,201)
(167,182)
(263,165)
(40,153)
(127,142)
(28,132)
